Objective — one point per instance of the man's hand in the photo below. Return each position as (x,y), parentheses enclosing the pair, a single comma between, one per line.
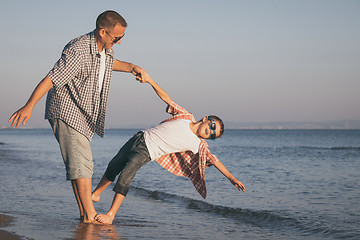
(21,115)
(122,66)
(238,184)
(138,72)
(24,113)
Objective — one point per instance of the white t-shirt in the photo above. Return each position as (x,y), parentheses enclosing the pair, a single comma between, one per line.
(170,137)
(102,69)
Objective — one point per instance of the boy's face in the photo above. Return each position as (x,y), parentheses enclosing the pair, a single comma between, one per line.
(205,130)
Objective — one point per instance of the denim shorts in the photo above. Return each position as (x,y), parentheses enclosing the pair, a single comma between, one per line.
(131,157)
(75,150)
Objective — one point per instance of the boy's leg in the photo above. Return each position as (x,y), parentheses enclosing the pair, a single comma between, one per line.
(116,165)
(103,184)
(138,158)
(108,218)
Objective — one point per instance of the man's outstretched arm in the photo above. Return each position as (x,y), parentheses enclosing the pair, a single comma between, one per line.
(25,112)
(122,66)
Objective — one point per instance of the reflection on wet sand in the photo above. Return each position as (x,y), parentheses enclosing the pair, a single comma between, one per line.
(95,232)
(6,220)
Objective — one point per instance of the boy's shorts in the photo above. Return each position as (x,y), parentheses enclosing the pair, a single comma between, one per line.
(75,150)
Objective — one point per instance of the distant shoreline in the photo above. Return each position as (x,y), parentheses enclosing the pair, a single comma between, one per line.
(286,125)
(329,125)
(279,127)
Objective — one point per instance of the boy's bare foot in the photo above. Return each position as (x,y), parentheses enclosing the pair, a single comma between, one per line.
(95,198)
(104,218)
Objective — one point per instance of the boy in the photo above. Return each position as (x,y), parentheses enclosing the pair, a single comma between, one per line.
(177,144)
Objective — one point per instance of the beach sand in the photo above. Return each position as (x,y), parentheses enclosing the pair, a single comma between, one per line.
(6,221)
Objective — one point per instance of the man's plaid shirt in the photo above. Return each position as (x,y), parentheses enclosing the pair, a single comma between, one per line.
(75,97)
(188,164)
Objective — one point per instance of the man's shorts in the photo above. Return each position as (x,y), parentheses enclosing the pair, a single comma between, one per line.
(75,150)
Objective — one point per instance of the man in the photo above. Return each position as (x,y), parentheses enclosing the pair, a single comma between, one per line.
(77,88)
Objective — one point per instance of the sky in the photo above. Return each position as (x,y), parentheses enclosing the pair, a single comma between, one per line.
(245,61)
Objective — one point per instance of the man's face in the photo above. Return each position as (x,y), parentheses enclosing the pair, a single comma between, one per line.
(205,130)
(111,36)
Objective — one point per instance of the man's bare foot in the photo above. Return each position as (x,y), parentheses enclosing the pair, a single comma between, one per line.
(104,218)
(91,220)
(95,198)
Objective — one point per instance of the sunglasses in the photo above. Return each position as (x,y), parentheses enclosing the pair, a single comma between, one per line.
(116,39)
(212,126)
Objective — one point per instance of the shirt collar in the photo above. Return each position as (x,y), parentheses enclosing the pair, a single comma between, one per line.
(94,48)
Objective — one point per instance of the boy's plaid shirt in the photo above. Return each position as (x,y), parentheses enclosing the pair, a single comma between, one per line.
(188,164)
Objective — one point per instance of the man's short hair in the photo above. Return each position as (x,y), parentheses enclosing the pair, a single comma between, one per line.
(109,19)
(216,118)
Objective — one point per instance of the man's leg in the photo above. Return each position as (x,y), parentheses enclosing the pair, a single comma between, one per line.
(82,191)
(77,197)
(76,153)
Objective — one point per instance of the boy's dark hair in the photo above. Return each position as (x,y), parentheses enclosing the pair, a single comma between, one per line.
(109,19)
(216,118)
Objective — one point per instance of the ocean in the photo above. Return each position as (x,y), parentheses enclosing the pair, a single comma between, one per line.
(300,184)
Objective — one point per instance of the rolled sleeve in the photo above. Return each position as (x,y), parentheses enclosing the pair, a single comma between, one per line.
(211,159)
(66,68)
(174,109)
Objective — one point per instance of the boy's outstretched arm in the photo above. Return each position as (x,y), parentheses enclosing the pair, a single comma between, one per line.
(229,176)
(159,91)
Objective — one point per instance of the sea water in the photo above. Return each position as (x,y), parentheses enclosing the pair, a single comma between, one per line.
(300,184)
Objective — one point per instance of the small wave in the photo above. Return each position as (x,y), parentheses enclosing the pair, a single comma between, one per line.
(259,218)
(327,148)
(345,148)
(257,148)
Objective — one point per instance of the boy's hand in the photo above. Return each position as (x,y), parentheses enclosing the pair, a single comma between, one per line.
(145,78)
(159,91)
(238,184)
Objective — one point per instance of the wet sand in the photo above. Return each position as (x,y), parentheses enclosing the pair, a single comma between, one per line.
(80,230)
(6,221)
